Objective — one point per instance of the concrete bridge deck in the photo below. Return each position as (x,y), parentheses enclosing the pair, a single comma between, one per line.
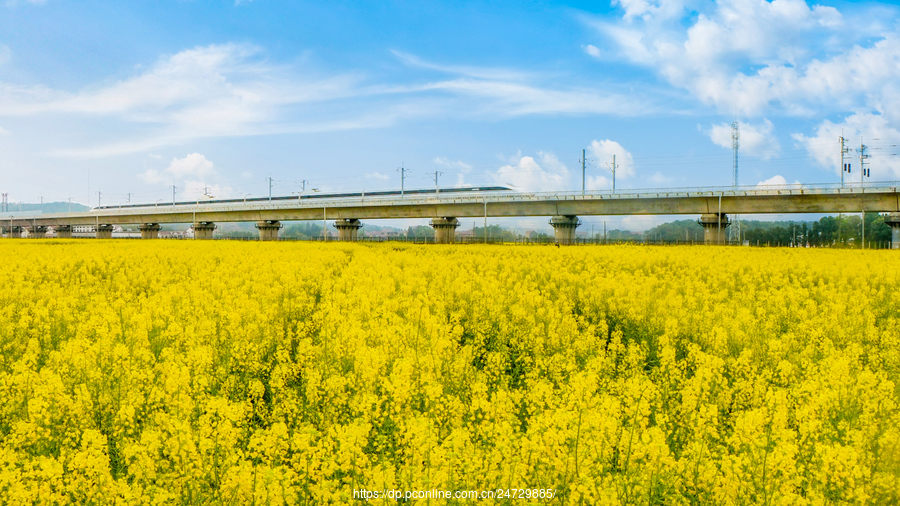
(874,197)
(713,204)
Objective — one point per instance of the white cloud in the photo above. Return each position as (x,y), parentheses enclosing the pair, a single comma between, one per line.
(461,168)
(592,50)
(777,180)
(660,178)
(457,165)
(210,91)
(544,174)
(152,176)
(193,165)
(508,98)
(754,140)
(874,130)
(601,155)
(377,175)
(756,56)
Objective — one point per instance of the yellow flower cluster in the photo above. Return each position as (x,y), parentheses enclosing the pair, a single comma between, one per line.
(163,372)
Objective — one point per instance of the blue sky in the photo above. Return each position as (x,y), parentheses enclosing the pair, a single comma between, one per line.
(134,97)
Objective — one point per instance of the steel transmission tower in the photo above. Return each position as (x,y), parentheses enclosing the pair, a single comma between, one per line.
(735,230)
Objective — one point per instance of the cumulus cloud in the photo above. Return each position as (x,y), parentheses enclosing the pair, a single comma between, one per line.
(193,165)
(542,174)
(874,130)
(601,155)
(756,55)
(777,180)
(755,140)
(377,175)
(592,50)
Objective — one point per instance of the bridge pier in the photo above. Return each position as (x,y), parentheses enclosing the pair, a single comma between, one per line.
(714,226)
(564,228)
(268,230)
(14,232)
(348,229)
(149,230)
(37,231)
(203,229)
(893,220)
(444,230)
(104,231)
(63,231)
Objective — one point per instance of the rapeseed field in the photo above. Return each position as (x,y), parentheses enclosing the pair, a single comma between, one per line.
(167,372)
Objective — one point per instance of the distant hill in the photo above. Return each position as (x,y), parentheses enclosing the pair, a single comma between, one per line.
(48,207)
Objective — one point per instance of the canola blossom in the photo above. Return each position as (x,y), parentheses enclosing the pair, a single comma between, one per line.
(166,372)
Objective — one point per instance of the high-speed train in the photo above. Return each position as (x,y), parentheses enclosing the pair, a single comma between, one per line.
(385,193)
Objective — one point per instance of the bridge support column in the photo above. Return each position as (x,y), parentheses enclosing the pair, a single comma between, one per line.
(37,231)
(444,230)
(348,229)
(63,231)
(564,228)
(14,232)
(268,230)
(203,229)
(714,226)
(149,230)
(893,220)
(104,231)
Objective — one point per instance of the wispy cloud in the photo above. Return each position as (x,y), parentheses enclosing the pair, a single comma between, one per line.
(232,90)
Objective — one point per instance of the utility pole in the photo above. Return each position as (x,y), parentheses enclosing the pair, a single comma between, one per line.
(173,194)
(583,165)
(845,167)
(128,197)
(437,189)
(70,204)
(269,179)
(402,172)
(42,204)
(5,203)
(613,169)
(863,156)
(98,199)
(735,231)
(863,172)
(302,189)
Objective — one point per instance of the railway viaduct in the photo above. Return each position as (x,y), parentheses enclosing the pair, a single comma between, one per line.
(713,206)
